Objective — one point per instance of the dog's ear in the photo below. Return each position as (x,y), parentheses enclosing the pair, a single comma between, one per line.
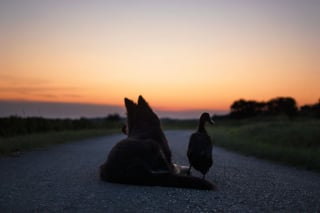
(130,106)
(142,103)
(146,112)
(131,114)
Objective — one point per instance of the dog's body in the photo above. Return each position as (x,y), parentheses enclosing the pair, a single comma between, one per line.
(144,157)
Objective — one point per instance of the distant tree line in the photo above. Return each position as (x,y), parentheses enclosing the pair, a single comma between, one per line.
(311,110)
(276,106)
(15,125)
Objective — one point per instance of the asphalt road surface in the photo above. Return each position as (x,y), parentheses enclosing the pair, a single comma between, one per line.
(64,179)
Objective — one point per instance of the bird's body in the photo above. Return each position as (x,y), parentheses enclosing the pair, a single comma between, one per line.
(200,147)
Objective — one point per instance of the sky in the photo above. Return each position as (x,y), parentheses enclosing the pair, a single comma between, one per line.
(181,55)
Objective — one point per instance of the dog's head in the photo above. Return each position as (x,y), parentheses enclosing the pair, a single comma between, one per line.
(140,116)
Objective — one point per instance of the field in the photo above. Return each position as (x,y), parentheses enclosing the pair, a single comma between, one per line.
(295,142)
(16,144)
(19,134)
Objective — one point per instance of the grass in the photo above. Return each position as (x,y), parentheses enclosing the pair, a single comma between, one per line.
(171,124)
(41,140)
(294,142)
(31,141)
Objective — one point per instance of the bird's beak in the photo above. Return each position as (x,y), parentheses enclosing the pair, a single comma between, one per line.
(211,121)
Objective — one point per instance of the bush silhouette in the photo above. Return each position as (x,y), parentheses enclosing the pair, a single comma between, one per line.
(276,106)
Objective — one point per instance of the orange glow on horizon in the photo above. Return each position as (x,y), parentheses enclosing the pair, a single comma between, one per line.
(204,56)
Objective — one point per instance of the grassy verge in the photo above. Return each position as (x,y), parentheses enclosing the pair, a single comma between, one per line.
(31,141)
(171,124)
(294,142)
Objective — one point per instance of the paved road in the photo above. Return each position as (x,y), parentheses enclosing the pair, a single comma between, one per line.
(64,179)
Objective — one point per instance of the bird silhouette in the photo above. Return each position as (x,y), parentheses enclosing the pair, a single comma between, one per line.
(200,147)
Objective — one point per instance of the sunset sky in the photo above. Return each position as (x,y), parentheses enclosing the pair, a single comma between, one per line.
(179,54)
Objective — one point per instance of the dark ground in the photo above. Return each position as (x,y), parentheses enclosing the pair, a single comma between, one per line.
(64,179)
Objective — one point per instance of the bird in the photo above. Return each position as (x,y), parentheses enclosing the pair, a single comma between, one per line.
(200,147)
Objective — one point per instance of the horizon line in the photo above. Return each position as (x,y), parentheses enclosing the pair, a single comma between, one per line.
(49,109)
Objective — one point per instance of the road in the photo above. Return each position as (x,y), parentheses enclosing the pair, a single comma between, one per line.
(64,178)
